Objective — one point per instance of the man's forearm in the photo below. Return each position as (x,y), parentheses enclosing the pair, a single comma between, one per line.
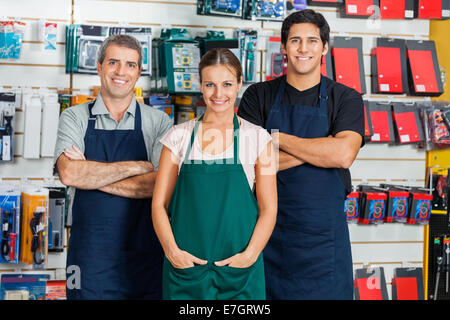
(327,152)
(85,174)
(137,187)
(286,161)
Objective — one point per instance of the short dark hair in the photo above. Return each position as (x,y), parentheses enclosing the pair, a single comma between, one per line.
(221,56)
(121,40)
(306,16)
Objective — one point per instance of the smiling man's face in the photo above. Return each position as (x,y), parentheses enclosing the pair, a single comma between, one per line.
(304,49)
(119,72)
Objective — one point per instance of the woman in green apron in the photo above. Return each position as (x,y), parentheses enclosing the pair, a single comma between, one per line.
(204,212)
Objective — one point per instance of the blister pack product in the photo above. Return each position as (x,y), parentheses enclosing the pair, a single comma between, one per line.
(407,123)
(6,39)
(370,284)
(372,204)
(351,207)
(248,56)
(10,223)
(276,63)
(419,206)
(7,123)
(397,203)
(274,10)
(439,130)
(23,286)
(294,5)
(231,8)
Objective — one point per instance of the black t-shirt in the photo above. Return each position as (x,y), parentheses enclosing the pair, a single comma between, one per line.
(345,108)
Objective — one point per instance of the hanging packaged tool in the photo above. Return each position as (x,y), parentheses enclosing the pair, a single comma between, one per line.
(423,68)
(83,43)
(438,261)
(348,62)
(372,204)
(10,223)
(388,64)
(50,120)
(407,284)
(440,189)
(56,212)
(438,129)
(23,286)
(34,226)
(368,130)
(32,127)
(407,123)
(179,56)
(359,8)
(276,63)
(7,116)
(351,207)
(11,37)
(272,10)
(216,39)
(47,34)
(433,9)
(419,206)
(294,5)
(248,56)
(397,203)
(326,3)
(397,9)
(370,284)
(382,123)
(230,8)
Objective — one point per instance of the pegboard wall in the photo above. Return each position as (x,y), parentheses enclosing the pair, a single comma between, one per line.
(388,245)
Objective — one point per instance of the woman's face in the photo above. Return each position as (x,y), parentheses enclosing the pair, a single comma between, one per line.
(220,87)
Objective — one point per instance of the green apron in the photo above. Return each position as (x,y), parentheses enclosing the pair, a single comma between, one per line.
(213,213)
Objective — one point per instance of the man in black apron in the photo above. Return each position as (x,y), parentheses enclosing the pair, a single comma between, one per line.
(108,150)
(321,126)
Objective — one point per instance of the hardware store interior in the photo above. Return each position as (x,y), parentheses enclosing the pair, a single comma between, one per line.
(52,66)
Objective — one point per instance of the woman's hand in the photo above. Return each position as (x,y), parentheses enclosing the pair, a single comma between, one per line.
(181,259)
(240,260)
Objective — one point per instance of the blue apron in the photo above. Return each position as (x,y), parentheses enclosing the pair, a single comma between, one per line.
(308,255)
(112,238)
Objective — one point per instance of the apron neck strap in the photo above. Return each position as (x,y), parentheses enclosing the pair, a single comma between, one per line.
(137,117)
(235,138)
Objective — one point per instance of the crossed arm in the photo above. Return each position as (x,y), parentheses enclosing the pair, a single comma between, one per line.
(329,152)
(130,179)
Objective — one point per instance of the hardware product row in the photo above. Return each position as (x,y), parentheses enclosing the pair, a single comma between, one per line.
(388,203)
(31,287)
(426,124)
(277,10)
(407,284)
(32,220)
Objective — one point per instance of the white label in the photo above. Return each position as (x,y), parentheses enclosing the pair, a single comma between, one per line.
(375,137)
(404,138)
(352,8)
(420,88)
(445,13)
(5,227)
(384,87)
(6,149)
(409,14)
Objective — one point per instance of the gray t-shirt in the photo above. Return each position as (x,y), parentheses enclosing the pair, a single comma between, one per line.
(73,124)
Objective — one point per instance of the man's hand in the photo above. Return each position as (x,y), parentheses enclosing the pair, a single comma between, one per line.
(75,153)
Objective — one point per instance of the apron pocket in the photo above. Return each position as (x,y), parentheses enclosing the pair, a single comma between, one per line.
(240,283)
(185,284)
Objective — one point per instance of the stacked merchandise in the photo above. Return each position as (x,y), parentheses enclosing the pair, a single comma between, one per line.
(11,36)
(389,203)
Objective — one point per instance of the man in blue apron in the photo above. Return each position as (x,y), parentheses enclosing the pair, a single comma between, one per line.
(108,150)
(319,125)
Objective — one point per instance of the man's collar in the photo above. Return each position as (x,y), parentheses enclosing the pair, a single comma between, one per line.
(100,108)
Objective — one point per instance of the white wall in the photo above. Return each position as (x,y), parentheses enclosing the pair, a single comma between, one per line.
(389,245)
